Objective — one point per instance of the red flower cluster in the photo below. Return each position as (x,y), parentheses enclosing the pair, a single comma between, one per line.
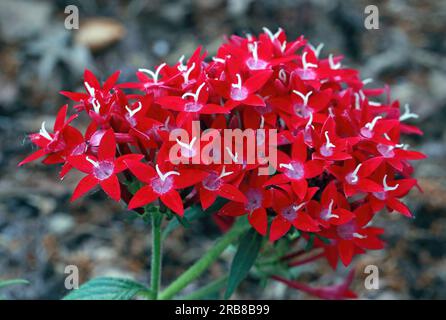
(340,158)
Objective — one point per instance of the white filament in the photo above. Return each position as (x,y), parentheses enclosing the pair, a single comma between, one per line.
(333,65)
(328,144)
(188,72)
(354,174)
(407,114)
(90,90)
(306,64)
(44,133)
(94,163)
(372,124)
(282,75)
(224,173)
(188,146)
(297,208)
(238,85)
(96,105)
(220,60)
(164,176)
(194,95)
(134,111)
(233,156)
(289,166)
(318,49)
(303,97)
(155,74)
(387,187)
(330,208)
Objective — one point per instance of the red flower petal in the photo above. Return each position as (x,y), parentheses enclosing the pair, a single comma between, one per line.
(143,196)
(173,201)
(111,187)
(86,184)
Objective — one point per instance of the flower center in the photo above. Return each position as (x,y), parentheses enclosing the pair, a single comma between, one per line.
(239,94)
(161,186)
(103,169)
(294,170)
(380,195)
(258,64)
(212,182)
(289,213)
(386,150)
(255,198)
(192,107)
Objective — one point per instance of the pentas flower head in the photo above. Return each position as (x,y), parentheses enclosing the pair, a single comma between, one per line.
(341,156)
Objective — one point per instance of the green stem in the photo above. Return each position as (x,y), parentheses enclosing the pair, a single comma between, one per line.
(201,265)
(155,272)
(206,290)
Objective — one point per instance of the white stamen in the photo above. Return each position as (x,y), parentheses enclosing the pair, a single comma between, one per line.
(359,236)
(194,95)
(164,176)
(330,112)
(332,64)
(90,89)
(262,122)
(188,72)
(282,75)
(304,97)
(354,174)
(253,49)
(304,62)
(155,74)
(181,67)
(224,173)
(357,101)
(310,121)
(407,114)
(372,124)
(289,166)
(233,156)
(44,133)
(318,49)
(220,60)
(361,94)
(328,144)
(238,85)
(330,208)
(166,123)
(134,111)
(374,104)
(269,33)
(367,81)
(387,136)
(387,187)
(188,146)
(283,46)
(300,206)
(94,163)
(96,105)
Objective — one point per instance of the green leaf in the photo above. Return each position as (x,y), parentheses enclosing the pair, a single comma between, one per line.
(244,259)
(310,242)
(12,282)
(107,288)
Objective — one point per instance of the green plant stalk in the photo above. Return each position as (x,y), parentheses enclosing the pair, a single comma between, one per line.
(206,290)
(155,272)
(202,264)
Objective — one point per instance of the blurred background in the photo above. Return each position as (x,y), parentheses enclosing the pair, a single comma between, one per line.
(41,232)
